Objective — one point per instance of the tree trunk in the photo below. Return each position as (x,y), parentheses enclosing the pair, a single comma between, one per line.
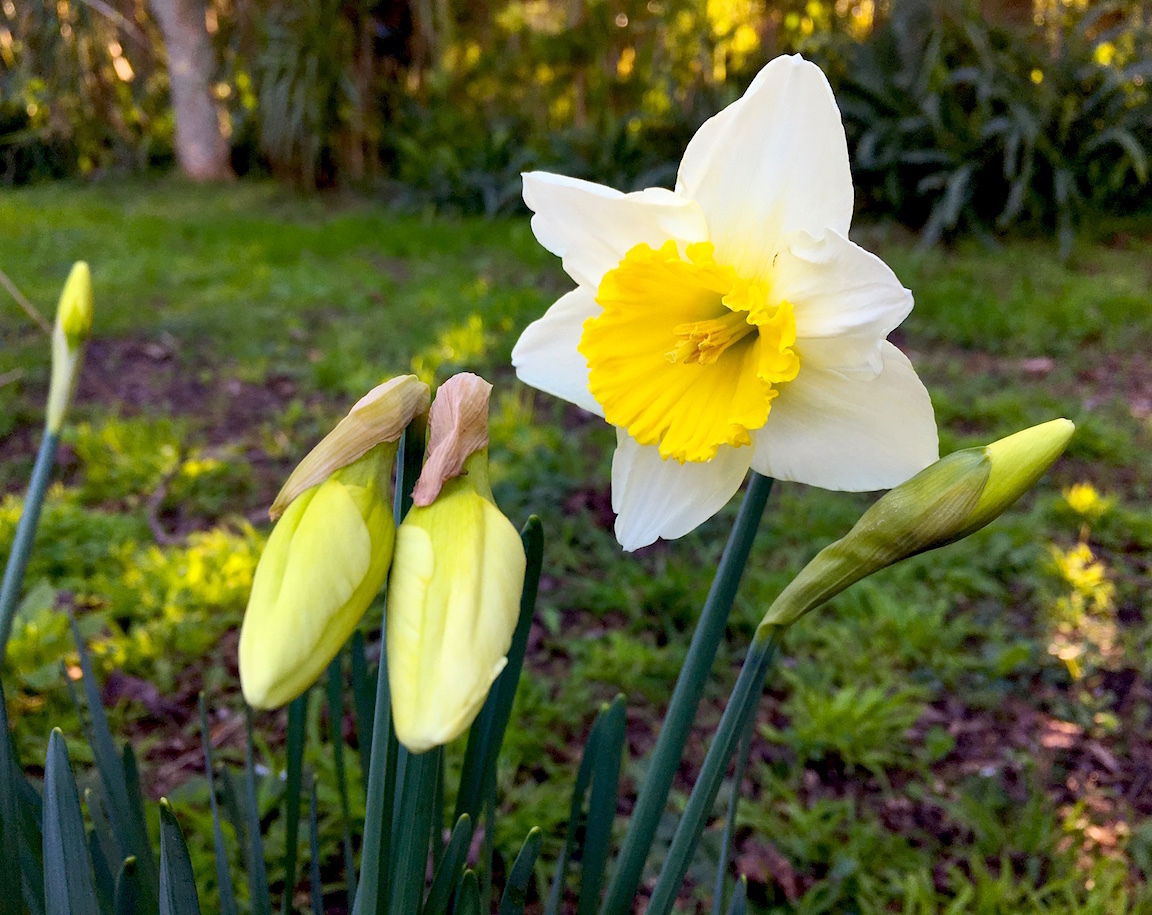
(201,148)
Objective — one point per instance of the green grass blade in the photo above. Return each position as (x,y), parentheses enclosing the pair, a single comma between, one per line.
(223,872)
(128,899)
(363,699)
(297,713)
(447,874)
(739,903)
(102,873)
(488,849)
(438,814)
(665,759)
(25,534)
(336,735)
(730,819)
(68,882)
(177,880)
(487,731)
(601,807)
(516,891)
(741,705)
(411,840)
(468,899)
(259,899)
(583,778)
(316,884)
(136,804)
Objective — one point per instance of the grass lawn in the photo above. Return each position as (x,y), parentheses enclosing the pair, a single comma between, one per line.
(967,732)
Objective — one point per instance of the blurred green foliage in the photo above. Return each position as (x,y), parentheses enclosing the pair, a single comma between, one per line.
(960,115)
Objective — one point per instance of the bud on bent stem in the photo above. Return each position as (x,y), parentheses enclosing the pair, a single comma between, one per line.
(945,502)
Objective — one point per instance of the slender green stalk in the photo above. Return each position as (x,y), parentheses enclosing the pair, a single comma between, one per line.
(410,849)
(741,706)
(685,700)
(373,888)
(25,534)
(730,820)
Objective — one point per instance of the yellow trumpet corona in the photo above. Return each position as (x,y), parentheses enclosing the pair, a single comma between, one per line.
(947,501)
(456,580)
(329,554)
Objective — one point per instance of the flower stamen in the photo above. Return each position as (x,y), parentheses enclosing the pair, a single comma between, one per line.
(703,342)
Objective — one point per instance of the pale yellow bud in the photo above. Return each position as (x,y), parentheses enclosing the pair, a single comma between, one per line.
(457,575)
(328,555)
(75,312)
(323,565)
(74,317)
(951,499)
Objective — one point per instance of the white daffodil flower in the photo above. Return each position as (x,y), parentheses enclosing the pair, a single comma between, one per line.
(730,323)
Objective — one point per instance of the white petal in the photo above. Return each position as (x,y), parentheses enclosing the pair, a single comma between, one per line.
(772,163)
(846,301)
(655,498)
(592,227)
(839,433)
(546,357)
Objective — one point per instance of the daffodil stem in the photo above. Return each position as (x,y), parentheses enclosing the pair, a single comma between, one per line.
(742,753)
(376,858)
(740,709)
(685,701)
(25,534)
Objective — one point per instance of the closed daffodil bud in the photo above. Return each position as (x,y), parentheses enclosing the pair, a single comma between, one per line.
(73,327)
(949,500)
(457,574)
(328,555)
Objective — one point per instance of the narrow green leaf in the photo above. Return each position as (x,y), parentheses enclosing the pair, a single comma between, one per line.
(336,735)
(130,832)
(102,831)
(314,880)
(68,883)
(468,899)
(230,796)
(438,814)
(363,698)
(576,807)
(223,872)
(739,904)
(128,899)
(136,805)
(665,759)
(177,880)
(102,871)
(447,874)
(487,732)
(410,842)
(516,891)
(259,899)
(730,819)
(297,713)
(488,848)
(11,890)
(601,807)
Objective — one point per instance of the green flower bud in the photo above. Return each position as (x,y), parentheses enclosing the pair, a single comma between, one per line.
(329,554)
(74,317)
(945,502)
(457,575)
